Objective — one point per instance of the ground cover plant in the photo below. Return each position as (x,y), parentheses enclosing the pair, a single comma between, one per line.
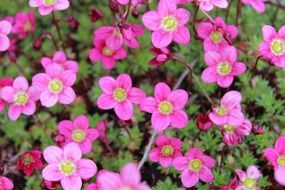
(142,94)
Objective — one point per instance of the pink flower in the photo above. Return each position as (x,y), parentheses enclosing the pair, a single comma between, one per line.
(222,67)
(216,35)
(166,107)
(258,5)
(162,55)
(248,179)
(4,82)
(203,122)
(194,166)
(232,185)
(47,6)
(276,156)
(273,46)
(208,5)
(232,134)
(61,60)
(29,162)
(21,98)
(55,86)
(106,55)
(119,95)
(101,127)
(92,186)
(167,24)
(128,178)
(5,29)
(25,23)
(67,166)
(78,132)
(229,112)
(166,151)
(183,1)
(5,183)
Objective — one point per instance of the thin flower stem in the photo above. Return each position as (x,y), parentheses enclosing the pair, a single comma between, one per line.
(228,10)
(55,22)
(238,13)
(207,15)
(254,69)
(128,11)
(52,39)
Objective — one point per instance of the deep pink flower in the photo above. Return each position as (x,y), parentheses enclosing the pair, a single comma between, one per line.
(92,186)
(248,179)
(5,29)
(128,178)
(167,24)
(183,1)
(232,185)
(47,6)
(4,82)
(13,50)
(162,55)
(25,23)
(5,183)
(95,15)
(101,127)
(276,156)
(208,5)
(21,98)
(273,46)
(119,95)
(55,86)
(29,162)
(258,5)
(216,35)
(78,132)
(166,151)
(106,55)
(67,166)
(194,166)
(52,185)
(166,107)
(60,59)
(232,134)
(203,122)
(222,67)
(229,112)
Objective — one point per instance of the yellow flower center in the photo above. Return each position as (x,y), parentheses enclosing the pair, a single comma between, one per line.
(167,150)
(27,160)
(78,135)
(21,98)
(221,111)
(107,51)
(249,183)
(229,128)
(28,27)
(278,47)
(224,68)
(49,2)
(216,36)
(169,23)
(55,86)
(195,165)
(165,107)
(281,161)
(119,94)
(67,168)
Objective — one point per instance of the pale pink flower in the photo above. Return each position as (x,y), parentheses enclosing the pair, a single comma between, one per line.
(78,131)
(55,86)
(128,178)
(167,24)
(276,156)
(5,183)
(47,6)
(59,58)
(166,107)
(119,95)
(166,150)
(232,134)
(229,112)
(273,46)
(25,23)
(5,29)
(107,56)
(258,5)
(4,82)
(21,98)
(248,179)
(222,67)
(194,165)
(216,35)
(208,5)
(67,166)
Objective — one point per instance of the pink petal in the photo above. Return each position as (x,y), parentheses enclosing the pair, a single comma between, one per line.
(212,58)
(54,71)
(179,119)
(161,39)
(21,83)
(205,174)
(81,122)
(268,33)
(46,62)
(7,94)
(107,84)
(154,155)
(14,112)
(231,99)
(35,3)
(124,110)
(120,54)
(4,42)
(208,161)
(165,161)
(149,105)
(232,31)
(166,7)
(162,140)
(253,172)
(40,81)
(72,152)
(225,81)
(7,183)
(106,102)
(108,62)
(218,120)
(124,81)
(68,78)
(86,168)
(280,145)
(52,154)
(5,27)
(52,173)
(204,29)
(206,5)
(61,4)
(281,32)
(67,96)
(161,91)
(131,174)
(136,95)
(45,10)
(272,155)
(241,174)
(72,65)
(194,153)
(230,54)
(181,35)
(279,175)
(238,68)
(245,127)
(85,146)
(209,75)
(65,128)
(104,181)
(182,16)
(220,3)
(29,108)
(178,98)
(59,57)
(189,179)
(95,55)
(151,20)
(160,122)
(259,6)
(180,163)
(93,134)
(72,182)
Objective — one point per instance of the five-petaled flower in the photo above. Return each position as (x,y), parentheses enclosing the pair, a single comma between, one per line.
(47,6)
(30,161)
(248,180)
